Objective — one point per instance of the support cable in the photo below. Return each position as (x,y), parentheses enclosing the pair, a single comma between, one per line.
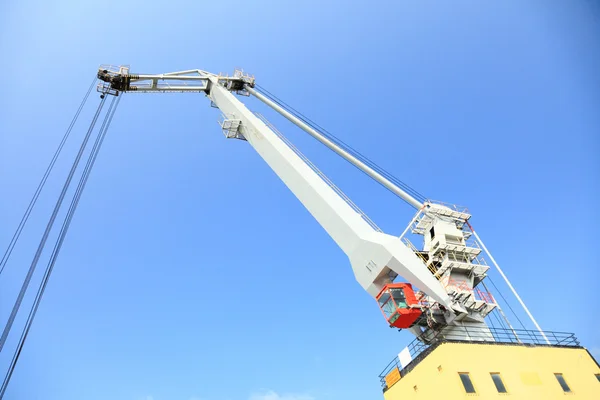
(409,199)
(342,144)
(502,325)
(510,286)
(25,217)
(60,240)
(44,238)
(506,302)
(491,322)
(498,310)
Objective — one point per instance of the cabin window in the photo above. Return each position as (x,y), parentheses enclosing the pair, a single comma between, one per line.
(563,383)
(466,381)
(386,305)
(498,382)
(431,233)
(399,298)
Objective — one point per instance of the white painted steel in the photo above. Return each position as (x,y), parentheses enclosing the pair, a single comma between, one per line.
(168,89)
(320,173)
(372,254)
(412,221)
(172,77)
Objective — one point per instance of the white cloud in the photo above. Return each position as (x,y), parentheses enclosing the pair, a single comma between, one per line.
(271,395)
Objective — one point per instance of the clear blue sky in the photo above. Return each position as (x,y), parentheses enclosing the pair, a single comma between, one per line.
(190,272)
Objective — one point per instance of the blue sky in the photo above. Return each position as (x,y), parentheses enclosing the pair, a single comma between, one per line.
(191,272)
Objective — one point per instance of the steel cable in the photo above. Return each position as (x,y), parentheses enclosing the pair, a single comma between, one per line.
(343,145)
(44,238)
(60,240)
(42,183)
(505,301)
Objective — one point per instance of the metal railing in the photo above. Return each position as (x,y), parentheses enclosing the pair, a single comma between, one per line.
(411,246)
(453,207)
(520,337)
(321,174)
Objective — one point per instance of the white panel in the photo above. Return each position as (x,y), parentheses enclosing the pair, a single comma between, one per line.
(404,357)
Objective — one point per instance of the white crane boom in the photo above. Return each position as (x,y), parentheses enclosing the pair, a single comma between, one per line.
(446,271)
(372,254)
(375,257)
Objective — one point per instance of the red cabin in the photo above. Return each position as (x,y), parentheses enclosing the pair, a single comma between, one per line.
(395,301)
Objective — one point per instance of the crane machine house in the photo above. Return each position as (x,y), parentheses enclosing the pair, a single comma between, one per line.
(437,292)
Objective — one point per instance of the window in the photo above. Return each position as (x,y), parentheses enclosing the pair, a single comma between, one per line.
(563,384)
(431,233)
(387,305)
(453,239)
(399,298)
(393,318)
(598,377)
(466,381)
(498,382)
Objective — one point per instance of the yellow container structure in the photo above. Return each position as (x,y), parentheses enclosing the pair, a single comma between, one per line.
(454,370)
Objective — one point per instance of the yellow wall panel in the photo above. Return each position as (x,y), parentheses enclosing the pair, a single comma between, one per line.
(527,373)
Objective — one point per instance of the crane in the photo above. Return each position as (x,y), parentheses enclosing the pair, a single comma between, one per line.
(439,292)
(433,292)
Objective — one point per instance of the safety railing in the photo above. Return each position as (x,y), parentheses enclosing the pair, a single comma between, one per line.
(452,257)
(453,207)
(114,68)
(520,337)
(455,284)
(411,246)
(484,295)
(321,174)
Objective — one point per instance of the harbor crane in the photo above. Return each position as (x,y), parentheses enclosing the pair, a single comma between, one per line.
(436,290)
(427,291)
(440,282)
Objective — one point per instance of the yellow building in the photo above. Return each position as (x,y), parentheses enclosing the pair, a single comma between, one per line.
(457,370)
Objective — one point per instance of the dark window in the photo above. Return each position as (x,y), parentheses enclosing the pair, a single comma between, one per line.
(598,377)
(466,381)
(399,298)
(498,382)
(432,233)
(563,384)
